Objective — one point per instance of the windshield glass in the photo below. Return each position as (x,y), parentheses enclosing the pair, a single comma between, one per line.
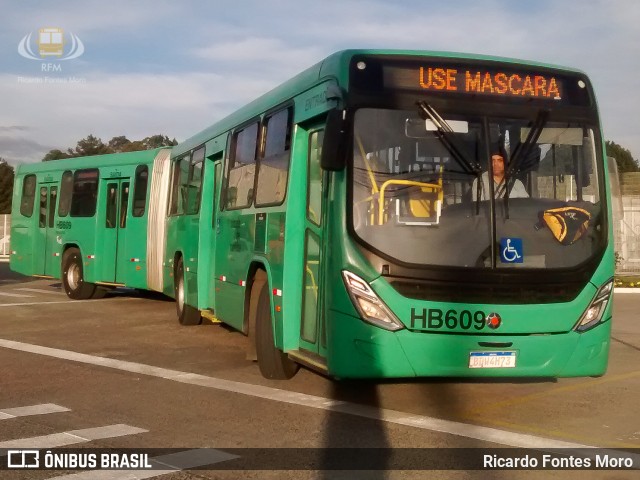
(422,191)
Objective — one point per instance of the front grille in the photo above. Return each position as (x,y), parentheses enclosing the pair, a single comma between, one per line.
(487,293)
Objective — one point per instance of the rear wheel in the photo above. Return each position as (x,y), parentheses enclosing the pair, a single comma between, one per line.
(73,276)
(187,315)
(273,363)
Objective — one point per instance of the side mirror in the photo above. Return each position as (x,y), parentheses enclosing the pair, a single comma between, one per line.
(332,156)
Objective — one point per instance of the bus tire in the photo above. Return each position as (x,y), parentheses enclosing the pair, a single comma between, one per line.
(273,363)
(187,315)
(73,276)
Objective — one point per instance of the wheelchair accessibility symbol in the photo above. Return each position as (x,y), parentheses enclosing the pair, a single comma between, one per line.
(511,250)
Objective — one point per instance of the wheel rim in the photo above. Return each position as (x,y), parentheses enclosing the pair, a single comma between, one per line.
(73,276)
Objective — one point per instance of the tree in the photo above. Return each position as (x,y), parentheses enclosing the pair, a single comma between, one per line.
(6,186)
(55,155)
(624,159)
(157,141)
(119,144)
(92,145)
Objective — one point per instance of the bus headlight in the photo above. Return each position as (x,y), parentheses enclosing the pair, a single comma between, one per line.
(592,316)
(371,309)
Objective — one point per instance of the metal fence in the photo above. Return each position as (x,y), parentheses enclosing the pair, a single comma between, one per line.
(628,244)
(5,230)
(626,217)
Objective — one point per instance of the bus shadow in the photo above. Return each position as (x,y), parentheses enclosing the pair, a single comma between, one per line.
(351,450)
(135,293)
(9,277)
(366,439)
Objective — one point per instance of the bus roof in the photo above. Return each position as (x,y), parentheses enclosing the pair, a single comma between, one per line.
(108,160)
(334,66)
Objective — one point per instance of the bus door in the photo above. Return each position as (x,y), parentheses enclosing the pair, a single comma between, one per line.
(45,239)
(113,230)
(312,328)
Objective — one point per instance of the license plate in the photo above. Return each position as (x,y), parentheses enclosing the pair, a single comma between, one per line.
(492,359)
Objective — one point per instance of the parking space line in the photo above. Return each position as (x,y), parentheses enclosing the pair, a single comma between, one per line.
(69,301)
(42,409)
(15,295)
(73,437)
(175,461)
(39,290)
(477,432)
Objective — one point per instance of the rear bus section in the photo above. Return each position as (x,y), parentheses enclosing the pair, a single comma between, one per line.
(85,221)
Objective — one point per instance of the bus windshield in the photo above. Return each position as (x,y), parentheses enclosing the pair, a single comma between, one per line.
(422,194)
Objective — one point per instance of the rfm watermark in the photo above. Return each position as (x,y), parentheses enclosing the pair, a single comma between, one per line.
(51,43)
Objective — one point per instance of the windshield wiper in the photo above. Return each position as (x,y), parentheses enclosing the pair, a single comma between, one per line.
(518,161)
(427,112)
(522,151)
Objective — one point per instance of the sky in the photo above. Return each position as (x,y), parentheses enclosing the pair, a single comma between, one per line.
(176,67)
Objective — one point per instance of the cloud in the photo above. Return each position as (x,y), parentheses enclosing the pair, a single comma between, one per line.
(89,16)
(270,59)
(57,115)
(15,149)
(213,57)
(13,128)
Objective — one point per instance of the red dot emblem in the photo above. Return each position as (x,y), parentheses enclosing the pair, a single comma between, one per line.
(493,320)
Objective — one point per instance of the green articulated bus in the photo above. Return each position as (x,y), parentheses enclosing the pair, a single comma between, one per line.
(346,220)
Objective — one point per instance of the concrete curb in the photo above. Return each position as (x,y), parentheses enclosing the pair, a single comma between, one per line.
(626,290)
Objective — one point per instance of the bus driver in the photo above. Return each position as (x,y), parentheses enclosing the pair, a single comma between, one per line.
(499,184)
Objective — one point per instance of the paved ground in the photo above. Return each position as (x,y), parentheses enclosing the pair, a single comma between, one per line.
(120,372)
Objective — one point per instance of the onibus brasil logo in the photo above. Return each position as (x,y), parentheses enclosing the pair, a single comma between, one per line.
(51,42)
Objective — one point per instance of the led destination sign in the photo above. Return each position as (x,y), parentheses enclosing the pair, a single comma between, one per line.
(479,81)
(485,82)
(513,82)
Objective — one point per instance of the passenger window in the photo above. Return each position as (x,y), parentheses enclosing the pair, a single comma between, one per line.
(43,207)
(315,173)
(195,182)
(66,190)
(28,195)
(242,167)
(53,196)
(124,204)
(273,169)
(85,193)
(140,191)
(180,179)
(112,205)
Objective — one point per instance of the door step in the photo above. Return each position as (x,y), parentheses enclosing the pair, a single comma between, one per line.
(48,277)
(309,359)
(110,284)
(209,315)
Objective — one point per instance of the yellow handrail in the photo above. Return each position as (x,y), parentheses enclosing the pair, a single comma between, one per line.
(435,186)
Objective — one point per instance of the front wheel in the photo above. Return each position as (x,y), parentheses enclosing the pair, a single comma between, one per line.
(187,315)
(273,363)
(73,276)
